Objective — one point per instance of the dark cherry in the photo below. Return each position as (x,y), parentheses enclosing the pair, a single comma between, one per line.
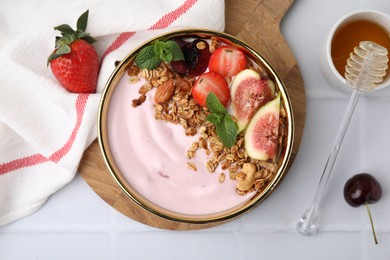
(196,58)
(363,189)
(182,43)
(180,67)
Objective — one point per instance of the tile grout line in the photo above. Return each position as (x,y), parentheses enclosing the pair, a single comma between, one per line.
(114,230)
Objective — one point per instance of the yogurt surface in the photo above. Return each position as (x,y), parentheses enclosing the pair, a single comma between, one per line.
(151,155)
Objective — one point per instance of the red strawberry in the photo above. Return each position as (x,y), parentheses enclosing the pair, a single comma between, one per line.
(74,62)
(227,61)
(211,82)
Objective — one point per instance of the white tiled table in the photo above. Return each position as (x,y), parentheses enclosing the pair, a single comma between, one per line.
(77,224)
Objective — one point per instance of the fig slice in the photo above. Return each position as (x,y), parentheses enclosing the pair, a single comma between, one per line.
(261,136)
(248,93)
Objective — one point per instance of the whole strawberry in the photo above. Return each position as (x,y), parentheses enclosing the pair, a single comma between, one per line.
(74,61)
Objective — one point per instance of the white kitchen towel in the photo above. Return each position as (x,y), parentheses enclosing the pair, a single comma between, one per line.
(44,130)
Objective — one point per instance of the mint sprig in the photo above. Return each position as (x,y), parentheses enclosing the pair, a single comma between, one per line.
(152,55)
(225,126)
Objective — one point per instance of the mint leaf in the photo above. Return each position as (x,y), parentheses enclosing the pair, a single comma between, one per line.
(166,56)
(151,56)
(227,131)
(214,105)
(215,118)
(158,47)
(175,50)
(168,51)
(147,58)
(225,126)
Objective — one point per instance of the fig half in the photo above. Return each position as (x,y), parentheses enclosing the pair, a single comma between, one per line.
(248,93)
(261,136)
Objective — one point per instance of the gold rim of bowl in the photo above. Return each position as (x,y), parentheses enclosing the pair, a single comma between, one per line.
(109,159)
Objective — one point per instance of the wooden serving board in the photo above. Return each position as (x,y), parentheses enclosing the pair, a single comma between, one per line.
(256,22)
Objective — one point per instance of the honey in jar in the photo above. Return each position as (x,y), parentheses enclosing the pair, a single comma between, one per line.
(350,35)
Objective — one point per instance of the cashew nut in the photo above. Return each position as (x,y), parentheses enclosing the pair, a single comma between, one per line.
(250,170)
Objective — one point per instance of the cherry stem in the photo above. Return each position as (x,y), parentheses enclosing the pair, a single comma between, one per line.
(372,222)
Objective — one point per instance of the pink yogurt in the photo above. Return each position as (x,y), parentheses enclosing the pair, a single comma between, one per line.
(151,155)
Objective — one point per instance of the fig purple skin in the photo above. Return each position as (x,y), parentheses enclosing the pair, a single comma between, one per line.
(362,188)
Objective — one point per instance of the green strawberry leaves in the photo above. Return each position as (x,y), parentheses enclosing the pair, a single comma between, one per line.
(151,56)
(65,29)
(82,22)
(225,126)
(69,35)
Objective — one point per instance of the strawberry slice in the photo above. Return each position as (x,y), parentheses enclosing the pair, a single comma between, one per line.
(211,82)
(227,61)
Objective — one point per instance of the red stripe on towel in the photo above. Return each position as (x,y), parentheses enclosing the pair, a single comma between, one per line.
(35,159)
(162,23)
(81,102)
(21,163)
